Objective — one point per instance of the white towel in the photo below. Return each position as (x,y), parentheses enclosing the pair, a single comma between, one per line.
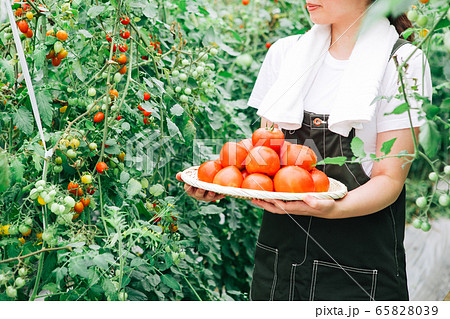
(283,104)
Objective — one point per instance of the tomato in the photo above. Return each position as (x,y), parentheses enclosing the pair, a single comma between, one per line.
(268,45)
(119,117)
(51,54)
(412,15)
(113,94)
(56,61)
(208,170)
(124,20)
(92,92)
(86,179)
(62,54)
(244,173)
(447,167)
(101,167)
(321,181)
(30,15)
(422,21)
(293,179)
(74,143)
(433,177)
(58,160)
(233,154)
(229,176)
(99,117)
(247,143)
(421,202)
(23,26)
(122,59)
(11,292)
(50,32)
(23,272)
(444,200)
(146,121)
(19,282)
(146,113)
(125,34)
(270,137)
(75,216)
(424,1)
(71,153)
(108,37)
(123,47)
(146,96)
(299,155)
(259,182)
(417,223)
(74,188)
(78,207)
(114,47)
(25,230)
(18,12)
(123,69)
(262,159)
(85,201)
(121,156)
(425,226)
(29,33)
(46,236)
(61,35)
(90,189)
(140,108)
(28,221)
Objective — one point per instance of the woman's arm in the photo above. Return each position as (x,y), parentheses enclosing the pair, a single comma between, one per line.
(384,187)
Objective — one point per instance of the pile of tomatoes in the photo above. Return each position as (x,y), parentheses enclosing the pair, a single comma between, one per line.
(266,162)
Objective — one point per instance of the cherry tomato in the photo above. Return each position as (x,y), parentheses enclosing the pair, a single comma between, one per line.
(123,47)
(124,20)
(99,117)
(125,34)
(101,167)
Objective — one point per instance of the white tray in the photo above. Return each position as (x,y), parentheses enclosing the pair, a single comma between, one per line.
(189,176)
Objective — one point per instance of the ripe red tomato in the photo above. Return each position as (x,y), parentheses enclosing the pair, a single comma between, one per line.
(56,61)
(90,189)
(293,179)
(125,34)
(146,96)
(78,207)
(229,176)
(85,201)
(262,159)
(101,167)
(321,181)
(108,37)
(247,143)
(99,117)
(119,117)
(124,20)
(299,155)
(123,47)
(233,154)
(23,26)
(208,170)
(122,59)
(74,188)
(268,45)
(146,113)
(114,47)
(259,182)
(51,54)
(245,2)
(29,33)
(146,121)
(140,108)
(123,69)
(268,136)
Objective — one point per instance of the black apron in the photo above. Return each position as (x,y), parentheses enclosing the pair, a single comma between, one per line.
(310,258)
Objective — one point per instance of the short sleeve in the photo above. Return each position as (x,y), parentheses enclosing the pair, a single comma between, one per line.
(417,79)
(267,75)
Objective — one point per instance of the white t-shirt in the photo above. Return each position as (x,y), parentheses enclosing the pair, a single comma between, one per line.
(319,98)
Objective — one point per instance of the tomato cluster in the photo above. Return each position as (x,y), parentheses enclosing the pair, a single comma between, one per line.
(267,162)
(57,52)
(155,44)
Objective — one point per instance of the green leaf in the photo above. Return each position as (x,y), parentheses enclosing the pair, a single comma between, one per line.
(86,33)
(60,273)
(169,281)
(124,177)
(173,129)
(340,160)
(103,260)
(402,108)
(150,10)
(430,138)
(134,187)
(157,190)
(386,148)
(154,280)
(17,170)
(78,266)
(6,67)
(94,11)
(211,210)
(78,70)
(176,110)
(23,119)
(4,172)
(44,102)
(357,146)
(39,57)
(89,125)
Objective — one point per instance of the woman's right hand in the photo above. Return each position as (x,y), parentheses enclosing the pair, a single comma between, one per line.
(198,193)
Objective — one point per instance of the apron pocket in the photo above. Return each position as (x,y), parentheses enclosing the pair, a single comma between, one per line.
(264,278)
(330,282)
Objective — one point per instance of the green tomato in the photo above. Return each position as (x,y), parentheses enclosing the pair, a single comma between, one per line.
(205,85)
(69,90)
(185,62)
(204,56)
(183,77)
(29,221)
(40,183)
(182,254)
(23,272)
(184,98)
(244,60)
(167,249)
(412,15)
(444,200)
(200,70)
(122,296)
(433,177)
(92,92)
(11,292)
(71,153)
(175,73)
(58,160)
(58,46)
(58,169)
(422,21)
(19,282)
(92,146)
(117,77)
(447,167)
(70,202)
(3,279)
(425,226)
(8,36)
(195,74)
(144,183)
(178,89)
(13,230)
(188,91)
(34,193)
(213,51)
(417,223)
(23,228)
(54,207)
(421,202)
(47,236)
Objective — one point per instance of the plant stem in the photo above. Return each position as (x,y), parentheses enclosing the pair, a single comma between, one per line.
(43,250)
(101,204)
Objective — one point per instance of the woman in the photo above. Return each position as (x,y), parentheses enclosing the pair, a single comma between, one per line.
(351,248)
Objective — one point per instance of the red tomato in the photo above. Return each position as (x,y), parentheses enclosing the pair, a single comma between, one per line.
(23,26)
(101,167)
(299,155)
(259,182)
(99,117)
(247,143)
(262,159)
(321,181)
(233,154)
(125,34)
(293,179)
(146,96)
(270,137)
(208,170)
(123,47)
(229,176)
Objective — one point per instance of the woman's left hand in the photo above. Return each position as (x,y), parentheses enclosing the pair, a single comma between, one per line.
(309,206)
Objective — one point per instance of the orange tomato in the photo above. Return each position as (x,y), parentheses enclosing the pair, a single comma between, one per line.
(123,70)
(85,201)
(247,143)
(268,136)
(113,94)
(61,35)
(262,159)
(293,179)
(78,207)
(29,33)
(321,181)
(122,59)
(62,54)
(233,154)
(259,182)
(299,155)
(229,176)
(208,170)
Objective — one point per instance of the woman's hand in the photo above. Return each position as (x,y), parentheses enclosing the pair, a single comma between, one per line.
(198,193)
(310,206)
